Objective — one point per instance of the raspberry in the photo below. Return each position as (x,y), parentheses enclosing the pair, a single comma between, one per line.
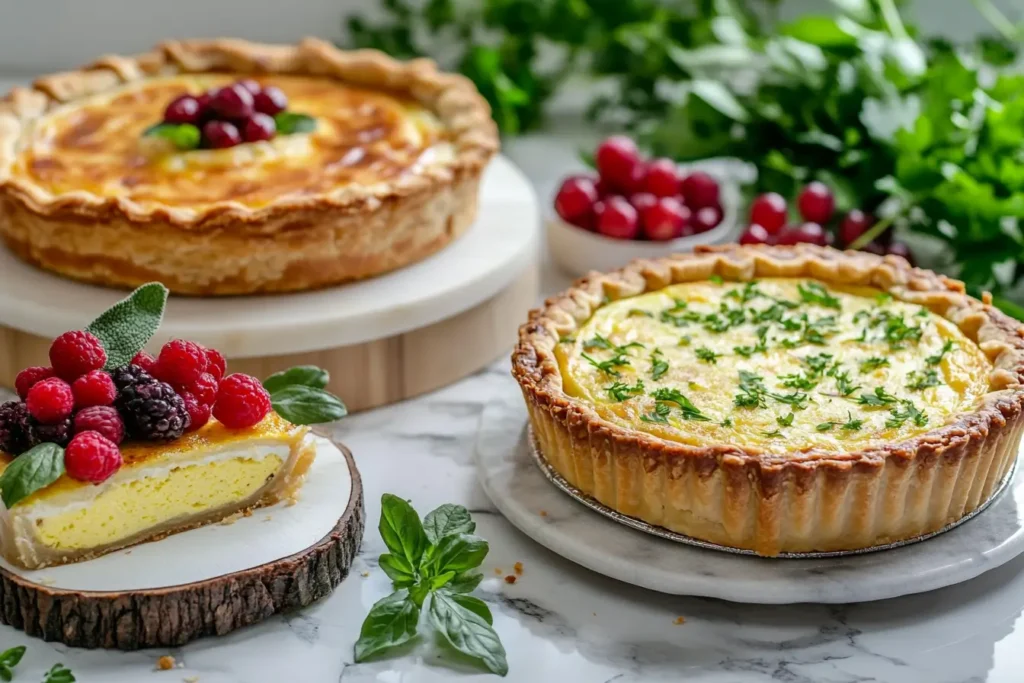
(145,361)
(215,364)
(241,402)
(95,388)
(28,377)
(180,362)
(58,433)
(198,412)
(204,389)
(153,412)
(91,457)
(73,354)
(14,427)
(50,401)
(102,419)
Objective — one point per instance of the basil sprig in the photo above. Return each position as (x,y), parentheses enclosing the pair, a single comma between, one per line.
(8,660)
(183,136)
(31,471)
(432,560)
(125,327)
(298,395)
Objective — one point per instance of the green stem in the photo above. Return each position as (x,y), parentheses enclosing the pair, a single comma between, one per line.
(998,20)
(871,233)
(891,15)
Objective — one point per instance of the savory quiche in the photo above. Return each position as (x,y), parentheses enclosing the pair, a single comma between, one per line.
(375,164)
(776,399)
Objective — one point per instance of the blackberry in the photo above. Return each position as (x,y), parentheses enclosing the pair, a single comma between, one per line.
(130,375)
(14,428)
(59,433)
(153,411)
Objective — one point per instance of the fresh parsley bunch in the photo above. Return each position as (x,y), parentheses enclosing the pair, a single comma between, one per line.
(433,562)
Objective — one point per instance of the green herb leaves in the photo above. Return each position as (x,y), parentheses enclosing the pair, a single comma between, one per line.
(815,293)
(690,411)
(433,560)
(947,346)
(8,660)
(59,673)
(125,327)
(31,471)
(291,122)
(659,366)
(184,136)
(878,399)
(298,395)
(620,391)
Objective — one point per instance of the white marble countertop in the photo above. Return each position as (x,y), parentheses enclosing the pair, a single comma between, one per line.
(560,622)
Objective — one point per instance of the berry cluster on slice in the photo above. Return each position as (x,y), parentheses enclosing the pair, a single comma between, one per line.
(634,198)
(769,223)
(245,111)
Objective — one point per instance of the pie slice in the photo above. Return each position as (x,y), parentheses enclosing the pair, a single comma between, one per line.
(161,489)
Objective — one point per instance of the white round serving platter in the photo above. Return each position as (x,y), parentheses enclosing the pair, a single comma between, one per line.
(499,246)
(268,535)
(521,492)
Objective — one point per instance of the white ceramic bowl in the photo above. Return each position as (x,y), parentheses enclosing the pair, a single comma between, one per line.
(580,251)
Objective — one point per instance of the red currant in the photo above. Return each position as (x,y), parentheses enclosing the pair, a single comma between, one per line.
(642,201)
(700,190)
(233,102)
(661,178)
(604,188)
(575,201)
(756,234)
(183,109)
(618,162)
(220,134)
(271,100)
(769,211)
(252,86)
(618,219)
(707,218)
(666,219)
(816,203)
(901,249)
(853,226)
(259,127)
(809,233)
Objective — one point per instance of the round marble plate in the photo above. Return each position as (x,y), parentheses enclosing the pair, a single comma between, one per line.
(494,251)
(522,493)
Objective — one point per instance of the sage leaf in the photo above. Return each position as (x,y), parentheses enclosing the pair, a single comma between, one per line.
(447,520)
(291,122)
(31,471)
(468,632)
(303,405)
(458,553)
(125,327)
(302,375)
(464,582)
(392,621)
(401,529)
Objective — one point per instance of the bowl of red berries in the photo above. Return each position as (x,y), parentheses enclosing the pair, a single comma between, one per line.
(635,207)
(813,219)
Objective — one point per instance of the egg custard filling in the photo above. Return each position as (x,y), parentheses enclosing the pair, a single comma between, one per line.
(160,489)
(362,138)
(775,365)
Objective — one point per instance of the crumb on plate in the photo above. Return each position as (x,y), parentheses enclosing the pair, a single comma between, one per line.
(543,513)
(497,571)
(518,568)
(510,579)
(679,620)
(165,663)
(364,574)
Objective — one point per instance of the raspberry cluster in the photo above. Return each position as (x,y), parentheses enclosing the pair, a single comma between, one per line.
(78,405)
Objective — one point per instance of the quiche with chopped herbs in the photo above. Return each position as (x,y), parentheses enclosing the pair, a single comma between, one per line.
(776,399)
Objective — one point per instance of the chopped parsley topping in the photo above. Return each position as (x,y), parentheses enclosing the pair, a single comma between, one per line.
(717,279)
(923,313)
(639,313)
(748,292)
(947,346)
(727,422)
(818,363)
(659,366)
(882,298)
(760,347)
(851,425)
(881,397)
(873,363)
(844,385)
(919,380)
(601,342)
(785,420)
(678,315)
(774,432)
(566,340)
(607,366)
(620,391)
(684,340)
(815,293)
(752,391)
(690,411)
(659,415)
(800,380)
(906,411)
(707,355)
(796,399)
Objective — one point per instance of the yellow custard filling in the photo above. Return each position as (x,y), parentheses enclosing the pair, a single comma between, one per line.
(363,137)
(779,365)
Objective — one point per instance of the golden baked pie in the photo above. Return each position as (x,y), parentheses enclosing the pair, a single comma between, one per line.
(386,174)
(777,399)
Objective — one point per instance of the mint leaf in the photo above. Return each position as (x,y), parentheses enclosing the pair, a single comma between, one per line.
(303,375)
(125,327)
(291,122)
(401,529)
(391,621)
(183,136)
(468,632)
(305,405)
(398,570)
(458,553)
(31,471)
(447,520)
(464,582)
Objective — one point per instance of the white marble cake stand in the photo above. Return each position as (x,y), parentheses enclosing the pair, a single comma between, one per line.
(520,491)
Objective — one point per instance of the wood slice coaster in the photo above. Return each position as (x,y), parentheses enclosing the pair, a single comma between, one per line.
(42,604)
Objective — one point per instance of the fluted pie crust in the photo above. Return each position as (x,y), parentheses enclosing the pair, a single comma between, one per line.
(799,501)
(298,241)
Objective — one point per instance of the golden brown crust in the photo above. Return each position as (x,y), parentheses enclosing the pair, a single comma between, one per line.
(293,243)
(797,502)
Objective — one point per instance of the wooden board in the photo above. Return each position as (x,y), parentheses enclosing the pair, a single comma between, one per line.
(373,373)
(170,617)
